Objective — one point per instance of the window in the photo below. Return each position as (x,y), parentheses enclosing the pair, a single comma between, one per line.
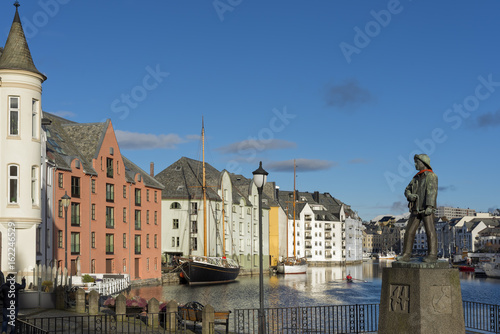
(34,185)
(124,240)
(175,224)
(147,217)
(13,184)
(156,218)
(60,239)
(137,244)
(110,217)
(147,195)
(110,192)
(124,191)
(124,215)
(124,265)
(75,186)
(60,180)
(156,199)
(194,208)
(93,239)
(92,266)
(34,119)
(75,214)
(147,264)
(194,226)
(93,186)
(178,241)
(194,243)
(147,240)
(138,197)
(93,212)
(60,208)
(110,243)
(156,241)
(75,243)
(14,116)
(175,205)
(109,167)
(137,219)
(173,241)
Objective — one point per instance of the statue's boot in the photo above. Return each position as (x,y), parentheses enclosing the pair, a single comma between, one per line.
(404,258)
(431,258)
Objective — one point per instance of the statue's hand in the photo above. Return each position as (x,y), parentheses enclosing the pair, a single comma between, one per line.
(428,211)
(412,197)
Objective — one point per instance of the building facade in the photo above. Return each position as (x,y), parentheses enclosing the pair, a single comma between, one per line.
(112,223)
(20,151)
(450,213)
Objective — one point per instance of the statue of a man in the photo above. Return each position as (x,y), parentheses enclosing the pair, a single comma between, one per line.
(421,194)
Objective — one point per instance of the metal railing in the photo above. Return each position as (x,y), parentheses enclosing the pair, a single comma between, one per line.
(27,328)
(361,318)
(482,317)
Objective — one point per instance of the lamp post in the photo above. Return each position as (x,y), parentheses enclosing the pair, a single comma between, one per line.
(259,179)
(65,202)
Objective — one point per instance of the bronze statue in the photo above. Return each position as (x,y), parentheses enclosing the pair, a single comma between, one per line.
(421,194)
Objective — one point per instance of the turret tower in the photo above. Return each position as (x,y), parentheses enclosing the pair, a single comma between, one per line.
(20,151)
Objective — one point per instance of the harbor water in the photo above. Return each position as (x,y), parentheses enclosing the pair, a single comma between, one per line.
(319,287)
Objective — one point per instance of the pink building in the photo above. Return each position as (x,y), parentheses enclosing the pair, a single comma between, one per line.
(114,216)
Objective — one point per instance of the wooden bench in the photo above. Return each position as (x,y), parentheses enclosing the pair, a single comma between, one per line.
(220,317)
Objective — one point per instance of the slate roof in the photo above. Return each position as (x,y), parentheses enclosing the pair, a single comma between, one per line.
(184,179)
(16,54)
(68,140)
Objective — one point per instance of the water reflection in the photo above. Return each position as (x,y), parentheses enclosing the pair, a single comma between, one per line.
(320,286)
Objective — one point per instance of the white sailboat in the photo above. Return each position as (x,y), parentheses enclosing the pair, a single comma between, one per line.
(292,264)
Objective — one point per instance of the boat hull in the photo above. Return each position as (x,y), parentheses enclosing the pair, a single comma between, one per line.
(292,269)
(205,273)
(491,270)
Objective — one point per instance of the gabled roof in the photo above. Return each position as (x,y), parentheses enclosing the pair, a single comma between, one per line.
(184,180)
(68,140)
(16,54)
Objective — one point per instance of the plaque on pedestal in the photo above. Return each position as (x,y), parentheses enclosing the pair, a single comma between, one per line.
(421,298)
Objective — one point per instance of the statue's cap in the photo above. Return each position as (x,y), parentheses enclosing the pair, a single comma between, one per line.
(424,158)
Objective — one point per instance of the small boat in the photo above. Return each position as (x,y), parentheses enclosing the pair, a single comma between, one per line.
(208,270)
(387,256)
(466,268)
(292,265)
(492,268)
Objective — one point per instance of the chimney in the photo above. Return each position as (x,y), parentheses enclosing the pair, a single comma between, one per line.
(316,196)
(152,169)
(277,193)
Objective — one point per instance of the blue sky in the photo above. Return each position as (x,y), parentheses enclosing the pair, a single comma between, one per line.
(351,89)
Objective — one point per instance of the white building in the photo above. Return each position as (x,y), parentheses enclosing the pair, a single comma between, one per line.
(323,232)
(20,150)
(232,215)
(450,213)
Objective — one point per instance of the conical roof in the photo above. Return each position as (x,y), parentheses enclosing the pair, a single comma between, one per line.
(16,54)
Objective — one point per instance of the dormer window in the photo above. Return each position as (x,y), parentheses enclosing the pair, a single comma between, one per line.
(14,116)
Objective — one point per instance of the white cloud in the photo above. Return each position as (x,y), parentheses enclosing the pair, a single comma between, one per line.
(302,165)
(256,145)
(136,141)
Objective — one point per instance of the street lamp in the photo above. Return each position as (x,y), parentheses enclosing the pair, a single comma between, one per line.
(65,202)
(259,179)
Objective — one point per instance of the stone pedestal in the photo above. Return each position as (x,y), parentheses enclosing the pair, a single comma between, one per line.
(421,298)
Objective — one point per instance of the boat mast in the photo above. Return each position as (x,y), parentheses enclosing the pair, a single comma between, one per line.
(223,227)
(294,249)
(204,190)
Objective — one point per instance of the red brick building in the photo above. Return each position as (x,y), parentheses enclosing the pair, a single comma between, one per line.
(114,218)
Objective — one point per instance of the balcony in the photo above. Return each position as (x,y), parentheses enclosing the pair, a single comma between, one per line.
(328,236)
(308,227)
(328,246)
(328,227)
(308,245)
(308,237)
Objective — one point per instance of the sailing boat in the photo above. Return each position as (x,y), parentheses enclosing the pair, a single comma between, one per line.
(204,269)
(293,265)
